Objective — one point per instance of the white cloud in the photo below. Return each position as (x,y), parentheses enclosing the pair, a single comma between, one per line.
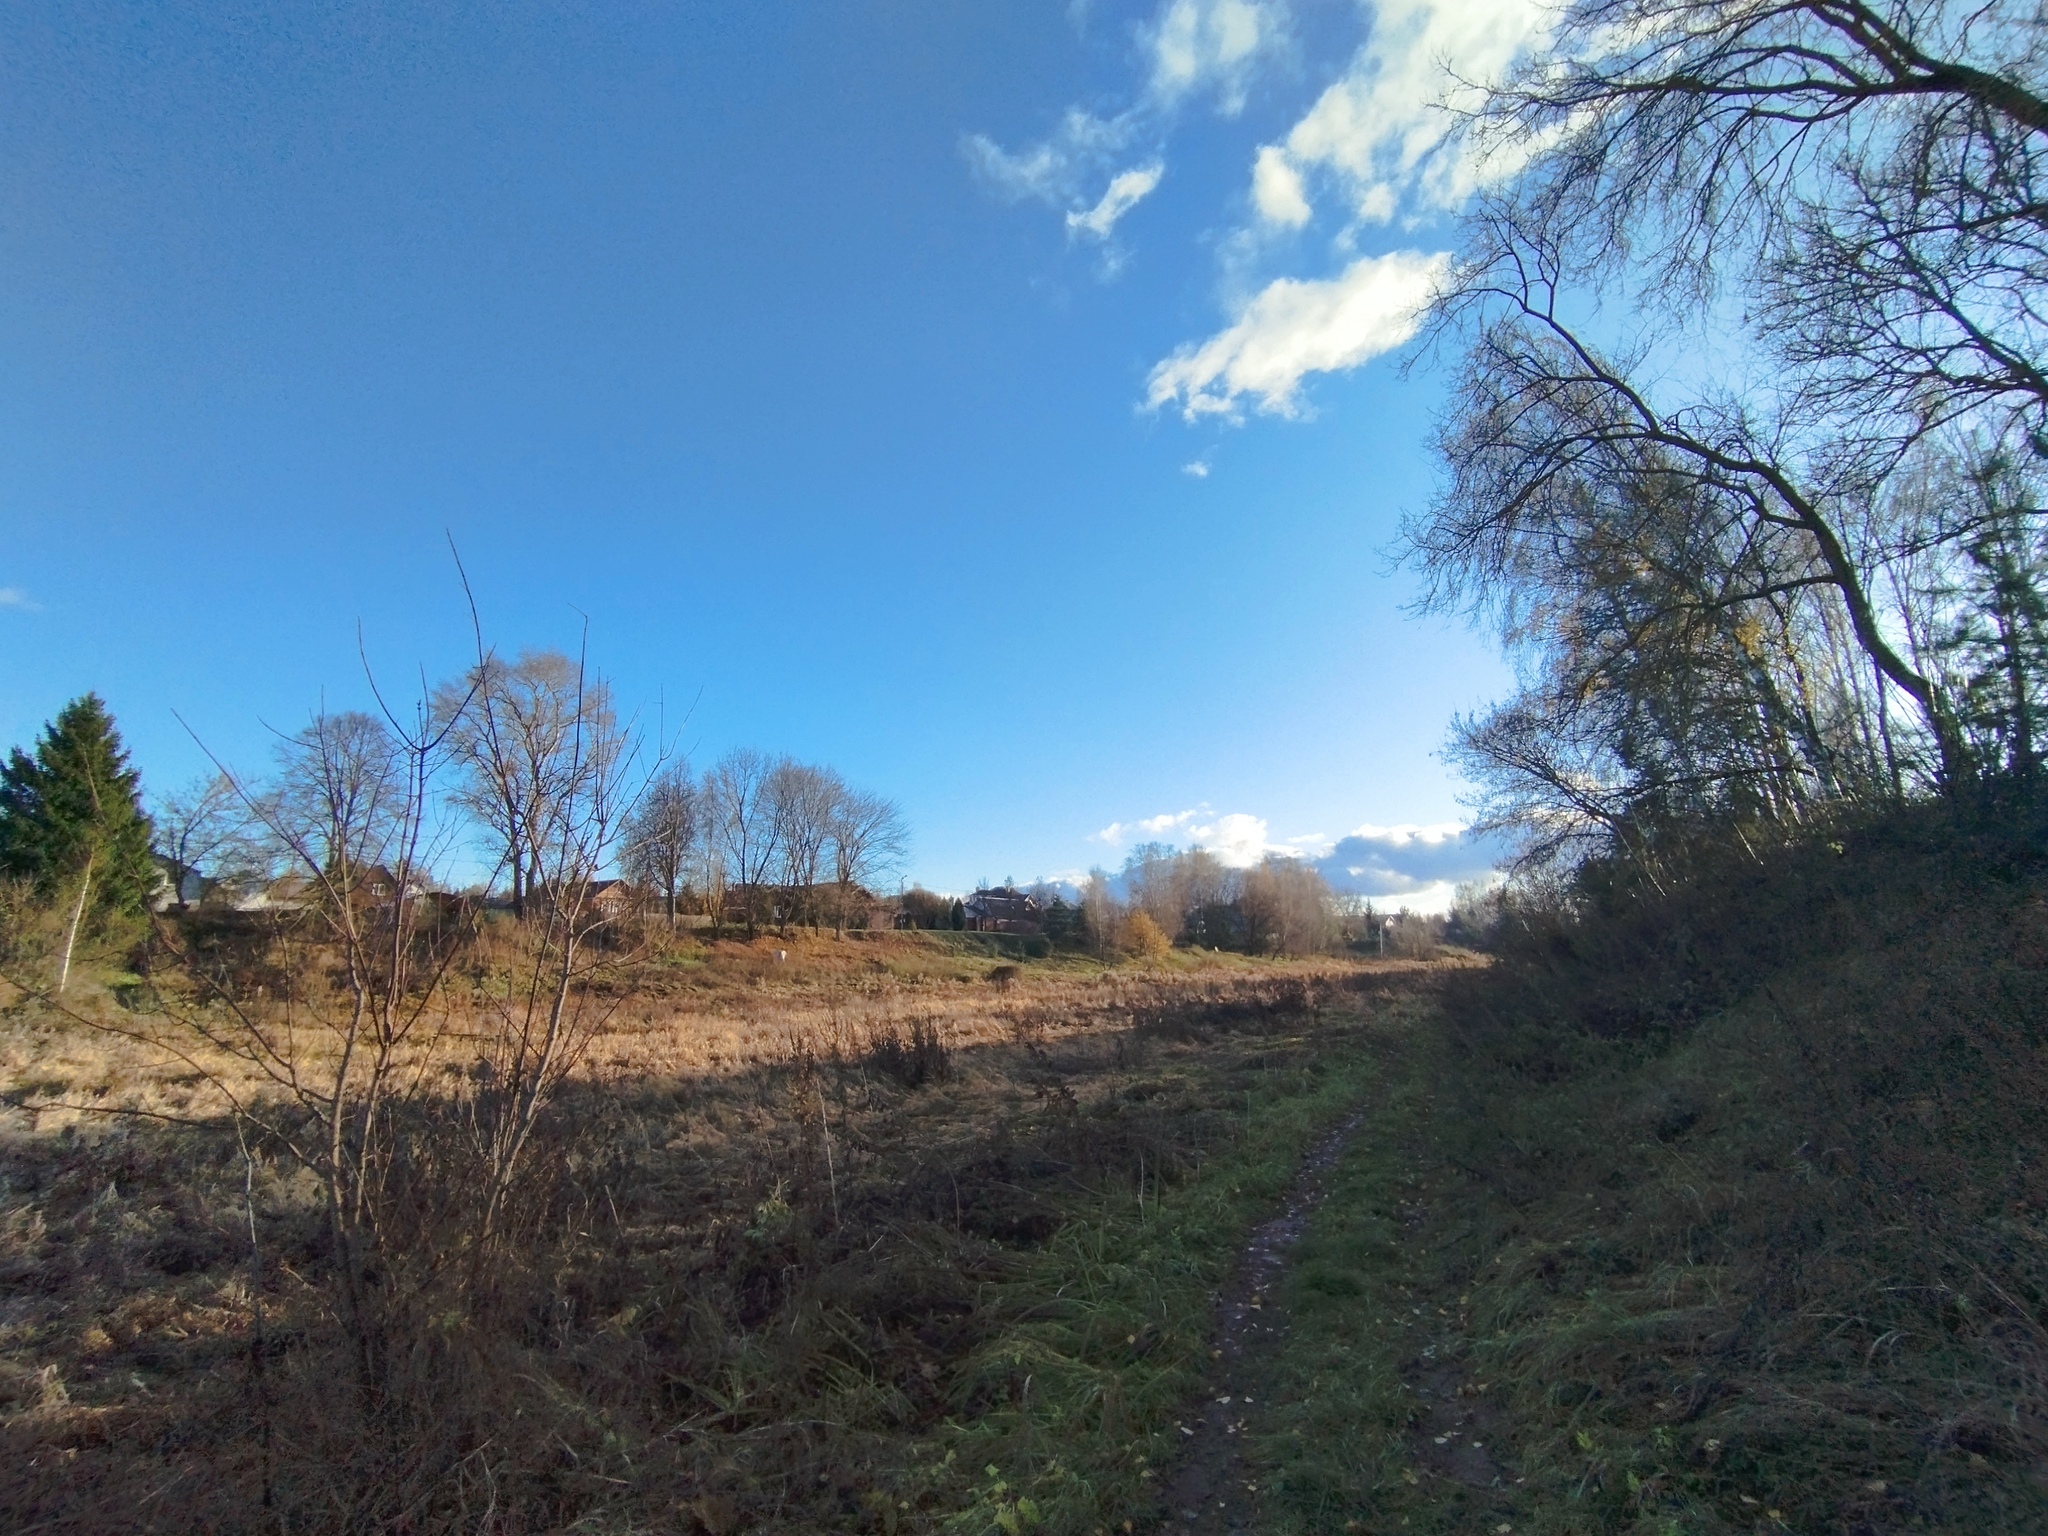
(1191,47)
(1277,190)
(1051,172)
(1418,866)
(1199,469)
(1384,138)
(1294,328)
(1126,190)
(1199,43)
(15,597)
(1386,129)
(1236,838)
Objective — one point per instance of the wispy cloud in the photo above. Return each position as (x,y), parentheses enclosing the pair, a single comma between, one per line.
(1193,50)
(1053,170)
(1294,328)
(1126,190)
(1213,45)
(16,597)
(1382,144)
(1199,469)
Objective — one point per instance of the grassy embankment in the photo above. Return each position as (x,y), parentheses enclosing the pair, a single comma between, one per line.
(1726,1212)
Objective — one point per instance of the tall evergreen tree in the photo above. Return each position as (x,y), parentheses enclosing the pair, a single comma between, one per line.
(71,822)
(1995,654)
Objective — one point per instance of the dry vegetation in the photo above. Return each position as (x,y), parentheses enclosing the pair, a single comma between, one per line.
(1714,1211)
(858,1239)
(1711,1213)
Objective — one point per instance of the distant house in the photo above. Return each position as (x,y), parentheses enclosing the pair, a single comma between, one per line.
(187,891)
(1003,909)
(374,886)
(380,887)
(605,900)
(289,893)
(613,899)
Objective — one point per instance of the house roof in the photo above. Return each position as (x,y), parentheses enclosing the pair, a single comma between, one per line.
(1001,901)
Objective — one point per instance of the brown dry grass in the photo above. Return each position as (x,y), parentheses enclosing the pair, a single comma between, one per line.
(779,1272)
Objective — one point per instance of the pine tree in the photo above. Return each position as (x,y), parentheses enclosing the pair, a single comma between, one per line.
(71,823)
(1996,652)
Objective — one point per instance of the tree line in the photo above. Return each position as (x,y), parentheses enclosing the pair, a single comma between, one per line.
(1165,897)
(1279,906)
(1745,442)
(522,767)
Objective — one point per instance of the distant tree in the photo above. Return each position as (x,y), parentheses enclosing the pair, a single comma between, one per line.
(956,915)
(661,834)
(1060,918)
(1101,914)
(800,802)
(1209,898)
(1288,908)
(342,807)
(740,818)
(72,825)
(867,839)
(1153,884)
(522,734)
(1145,938)
(709,870)
(926,909)
(197,827)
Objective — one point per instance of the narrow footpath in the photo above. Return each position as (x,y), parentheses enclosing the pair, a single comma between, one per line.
(1214,1490)
(1452,1427)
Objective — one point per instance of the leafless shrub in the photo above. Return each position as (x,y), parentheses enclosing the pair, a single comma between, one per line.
(913,1056)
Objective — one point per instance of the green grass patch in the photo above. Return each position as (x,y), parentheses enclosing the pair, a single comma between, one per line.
(1080,1397)
(1659,1303)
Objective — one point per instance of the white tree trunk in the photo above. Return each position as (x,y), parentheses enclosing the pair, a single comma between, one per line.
(71,933)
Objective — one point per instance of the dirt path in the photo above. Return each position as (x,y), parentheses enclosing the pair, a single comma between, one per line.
(1453,1421)
(1214,1490)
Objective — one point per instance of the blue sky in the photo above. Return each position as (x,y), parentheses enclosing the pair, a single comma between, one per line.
(976,398)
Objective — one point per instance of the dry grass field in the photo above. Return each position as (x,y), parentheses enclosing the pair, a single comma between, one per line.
(1723,1216)
(891,1233)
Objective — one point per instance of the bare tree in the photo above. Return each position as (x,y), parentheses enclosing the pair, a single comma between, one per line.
(800,801)
(542,1026)
(1546,435)
(741,819)
(1720,595)
(661,837)
(515,730)
(1698,139)
(420,1175)
(195,827)
(351,810)
(868,841)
